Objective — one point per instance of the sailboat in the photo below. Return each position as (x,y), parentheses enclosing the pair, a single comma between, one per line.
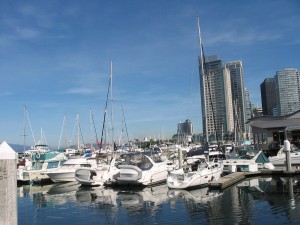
(201,171)
(37,159)
(106,169)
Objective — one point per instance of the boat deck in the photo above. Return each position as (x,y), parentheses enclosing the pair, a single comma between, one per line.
(230,179)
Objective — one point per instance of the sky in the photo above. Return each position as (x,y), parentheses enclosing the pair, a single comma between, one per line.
(55,60)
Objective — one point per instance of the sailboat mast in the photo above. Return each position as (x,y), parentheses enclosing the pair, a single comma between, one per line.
(91,128)
(111,100)
(203,79)
(24,128)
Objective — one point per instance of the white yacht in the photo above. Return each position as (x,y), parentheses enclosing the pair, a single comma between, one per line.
(250,161)
(34,169)
(198,174)
(280,158)
(66,172)
(102,174)
(146,172)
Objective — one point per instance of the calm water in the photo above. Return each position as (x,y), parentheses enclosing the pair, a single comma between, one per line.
(257,201)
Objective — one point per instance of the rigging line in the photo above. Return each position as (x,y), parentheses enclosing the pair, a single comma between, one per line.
(73,132)
(96,134)
(80,131)
(125,125)
(105,110)
(61,132)
(24,138)
(30,126)
(202,81)
(189,103)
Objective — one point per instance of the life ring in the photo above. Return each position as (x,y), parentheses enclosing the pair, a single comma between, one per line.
(37,156)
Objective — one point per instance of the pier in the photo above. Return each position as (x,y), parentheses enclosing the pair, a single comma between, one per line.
(233,178)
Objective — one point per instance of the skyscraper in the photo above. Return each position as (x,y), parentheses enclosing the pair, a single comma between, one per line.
(237,87)
(248,113)
(287,91)
(216,98)
(268,96)
(185,132)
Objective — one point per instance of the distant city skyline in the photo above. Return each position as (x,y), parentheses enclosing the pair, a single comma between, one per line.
(55,59)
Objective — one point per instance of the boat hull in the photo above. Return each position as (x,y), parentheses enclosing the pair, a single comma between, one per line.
(192,180)
(133,175)
(66,176)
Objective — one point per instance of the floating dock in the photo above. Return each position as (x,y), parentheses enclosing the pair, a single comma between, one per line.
(233,178)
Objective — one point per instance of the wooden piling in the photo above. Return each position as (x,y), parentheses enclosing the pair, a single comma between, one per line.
(8,185)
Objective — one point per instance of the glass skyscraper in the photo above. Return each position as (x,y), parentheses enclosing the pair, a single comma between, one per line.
(287,91)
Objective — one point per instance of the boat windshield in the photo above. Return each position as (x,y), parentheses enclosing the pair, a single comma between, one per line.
(247,154)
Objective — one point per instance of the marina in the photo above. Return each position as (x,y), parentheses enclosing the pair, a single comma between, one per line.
(255,200)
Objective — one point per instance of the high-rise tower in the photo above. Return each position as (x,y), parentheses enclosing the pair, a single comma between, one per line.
(216,98)
(268,96)
(237,87)
(287,91)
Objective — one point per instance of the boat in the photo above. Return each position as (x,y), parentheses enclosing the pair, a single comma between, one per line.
(146,171)
(249,160)
(66,173)
(210,151)
(106,169)
(198,174)
(280,158)
(33,171)
(102,174)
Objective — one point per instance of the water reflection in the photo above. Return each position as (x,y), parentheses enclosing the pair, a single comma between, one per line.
(252,201)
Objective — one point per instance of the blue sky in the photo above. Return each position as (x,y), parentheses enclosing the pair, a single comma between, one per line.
(55,59)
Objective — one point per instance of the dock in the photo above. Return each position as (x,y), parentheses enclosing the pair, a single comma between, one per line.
(233,178)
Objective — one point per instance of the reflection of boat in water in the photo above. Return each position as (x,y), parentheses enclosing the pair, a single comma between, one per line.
(126,197)
(100,195)
(255,184)
(55,194)
(30,190)
(201,195)
(149,197)
(60,188)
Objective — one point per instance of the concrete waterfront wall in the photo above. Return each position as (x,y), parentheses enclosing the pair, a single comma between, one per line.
(8,185)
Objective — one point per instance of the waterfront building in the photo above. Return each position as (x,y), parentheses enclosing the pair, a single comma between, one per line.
(287,91)
(268,96)
(216,98)
(269,132)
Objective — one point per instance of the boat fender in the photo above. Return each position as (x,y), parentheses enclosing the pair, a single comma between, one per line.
(37,156)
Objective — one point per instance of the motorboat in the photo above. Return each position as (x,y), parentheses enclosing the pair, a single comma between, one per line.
(146,171)
(39,163)
(66,173)
(101,174)
(250,160)
(280,158)
(198,174)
